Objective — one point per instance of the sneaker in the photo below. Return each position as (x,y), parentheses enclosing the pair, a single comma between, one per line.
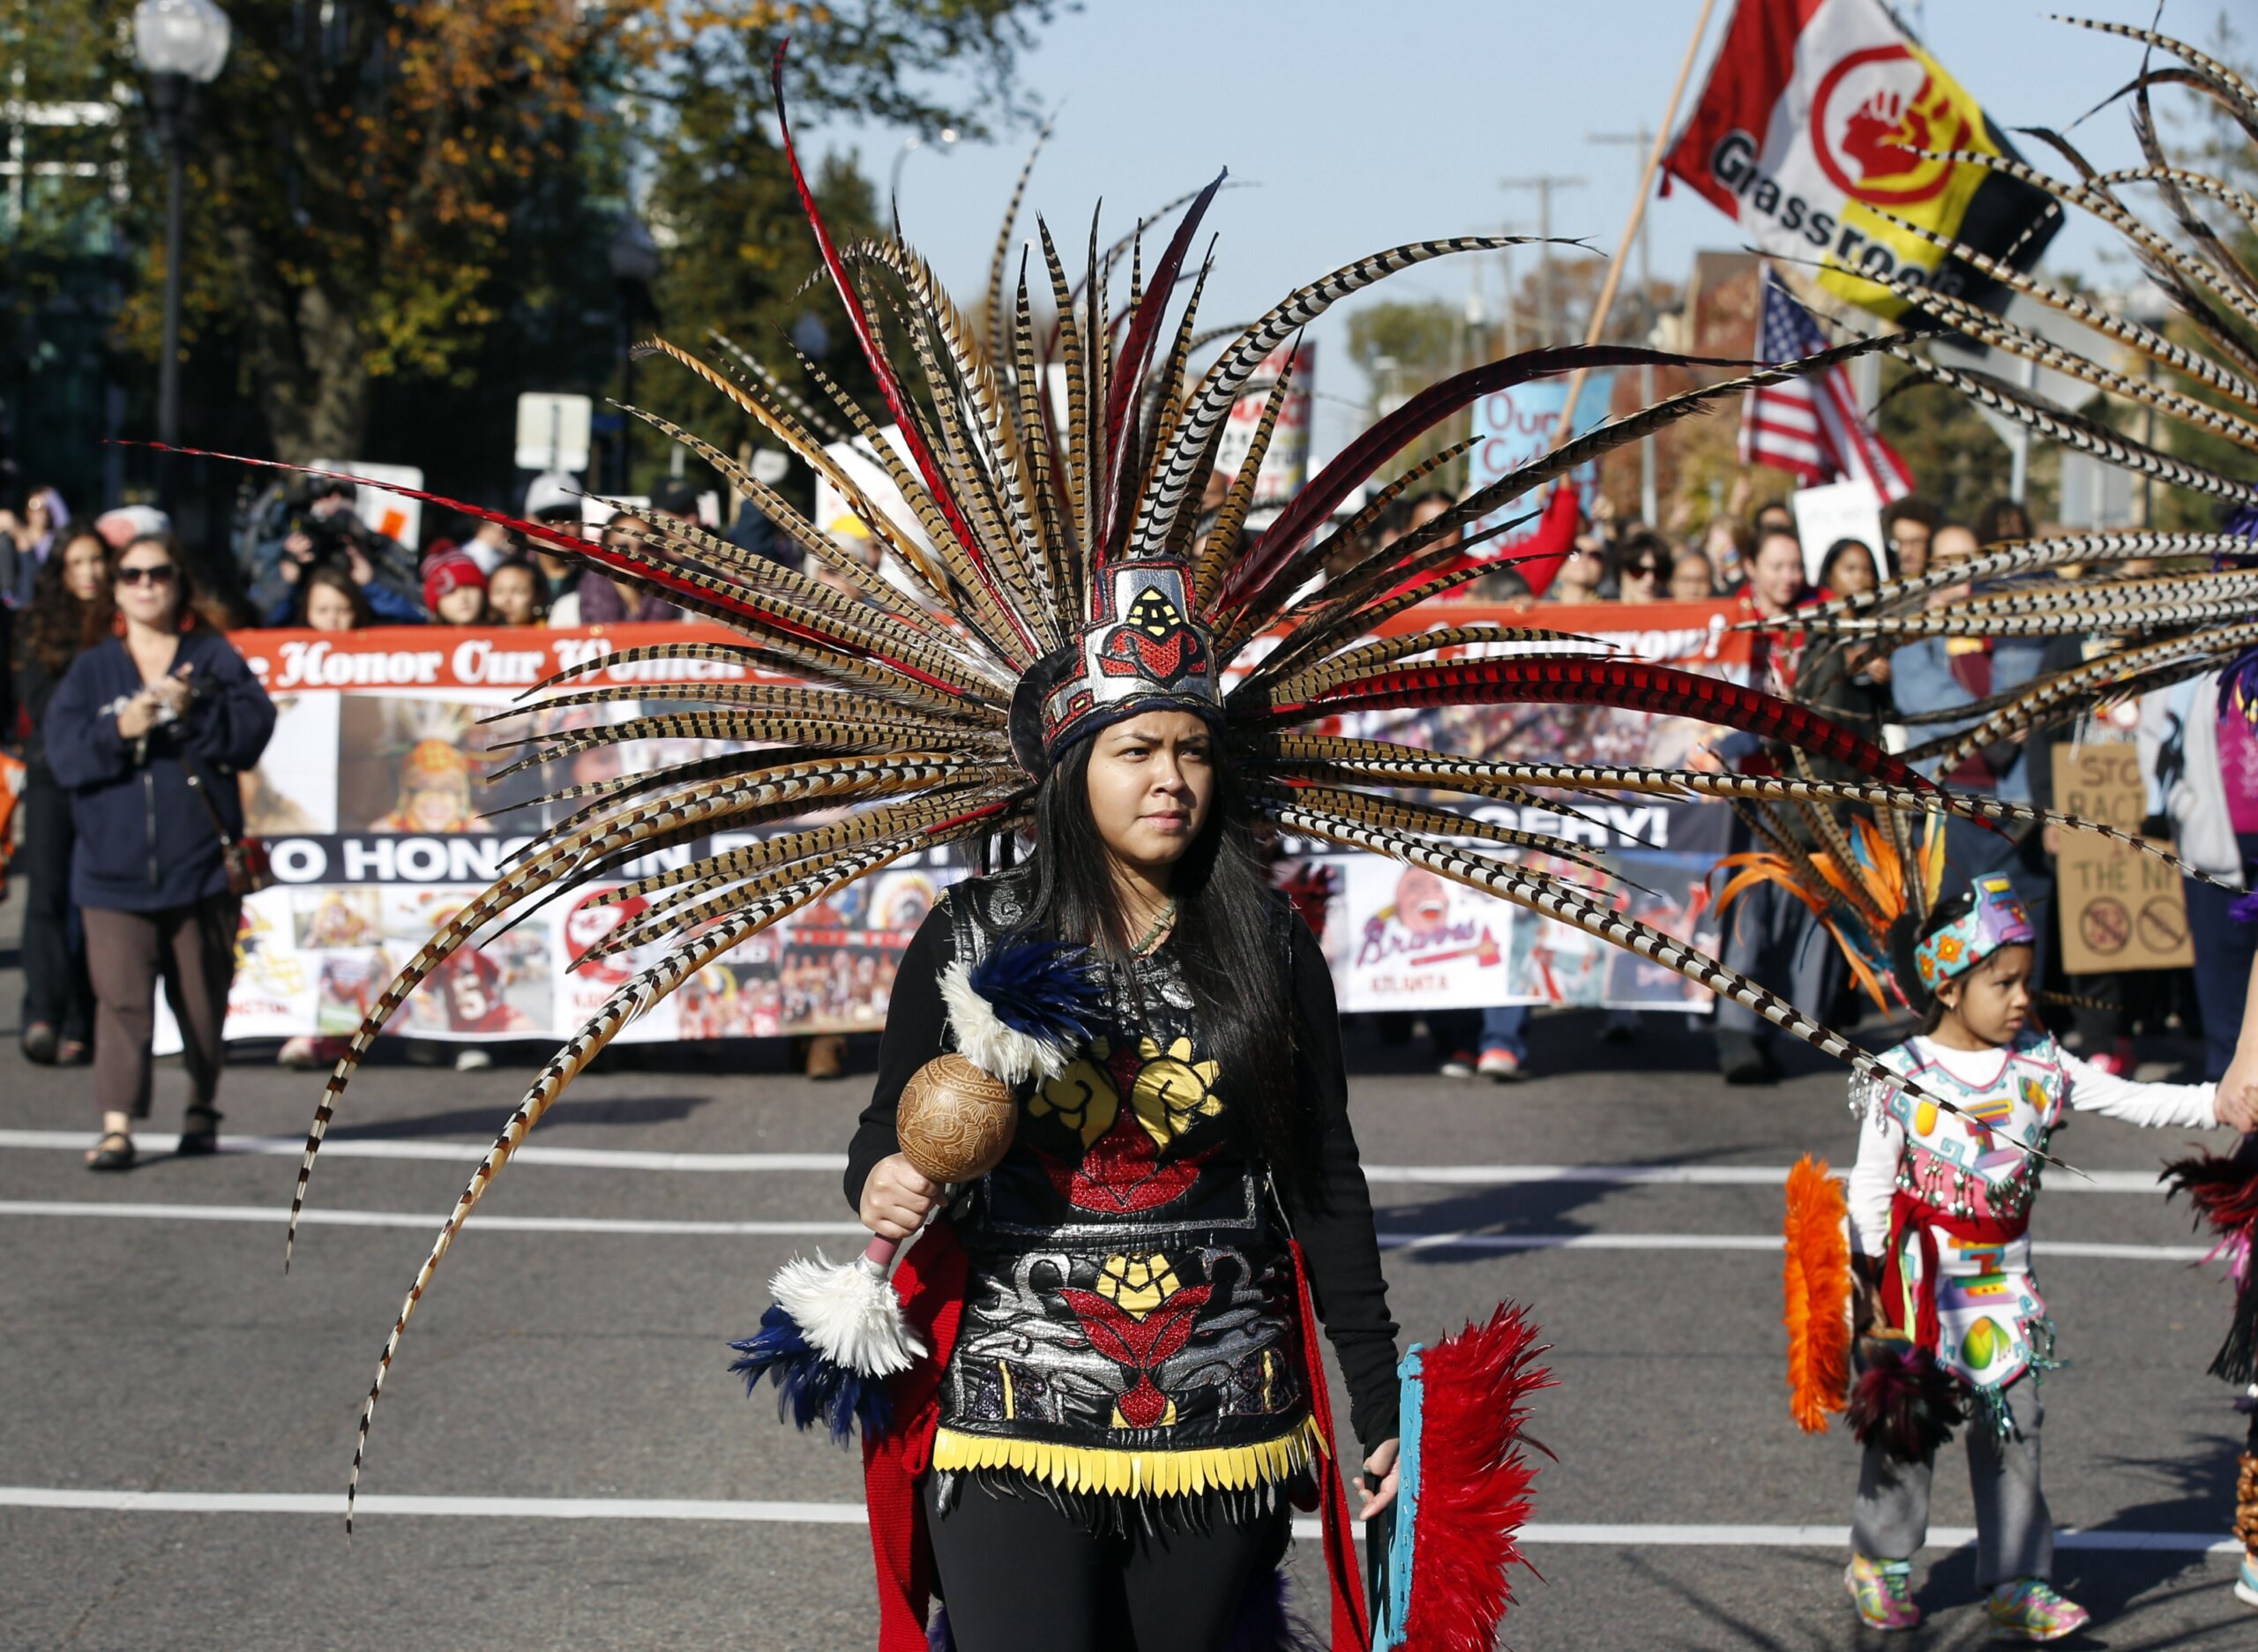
(2246,1582)
(1458,1064)
(471,1059)
(2030,1610)
(1882,1592)
(1501,1064)
(302,1054)
(2117,1061)
(38,1043)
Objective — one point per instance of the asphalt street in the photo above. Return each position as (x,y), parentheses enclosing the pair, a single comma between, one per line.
(177,1415)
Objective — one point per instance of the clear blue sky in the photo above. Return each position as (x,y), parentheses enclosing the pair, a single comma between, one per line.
(1361,125)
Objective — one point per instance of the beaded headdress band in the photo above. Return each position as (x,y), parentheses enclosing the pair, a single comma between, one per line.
(1998,919)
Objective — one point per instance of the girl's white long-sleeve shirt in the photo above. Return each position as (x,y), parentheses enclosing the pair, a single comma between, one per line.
(2086,1088)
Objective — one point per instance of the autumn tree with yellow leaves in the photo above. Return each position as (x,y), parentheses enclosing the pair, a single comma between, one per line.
(399,211)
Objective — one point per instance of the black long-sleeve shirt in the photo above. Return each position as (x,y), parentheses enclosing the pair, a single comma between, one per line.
(1334,1226)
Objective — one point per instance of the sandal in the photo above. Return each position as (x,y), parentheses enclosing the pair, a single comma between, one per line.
(199,1134)
(114,1152)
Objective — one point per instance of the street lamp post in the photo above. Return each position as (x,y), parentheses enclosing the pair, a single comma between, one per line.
(635,259)
(183,45)
(946,140)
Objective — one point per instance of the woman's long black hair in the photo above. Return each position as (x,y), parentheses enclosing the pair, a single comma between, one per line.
(1228,943)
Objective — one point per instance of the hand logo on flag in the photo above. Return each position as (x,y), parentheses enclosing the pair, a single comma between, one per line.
(1816,133)
(1883,128)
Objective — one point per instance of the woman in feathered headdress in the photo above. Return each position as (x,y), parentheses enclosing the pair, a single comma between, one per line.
(1130,1397)
(1056,646)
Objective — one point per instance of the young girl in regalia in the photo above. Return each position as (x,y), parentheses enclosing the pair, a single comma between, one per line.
(1952,1327)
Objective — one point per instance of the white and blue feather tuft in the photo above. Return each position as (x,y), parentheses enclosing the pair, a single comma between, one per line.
(1024,1010)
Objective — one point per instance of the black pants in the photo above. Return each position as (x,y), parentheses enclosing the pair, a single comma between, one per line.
(56,989)
(1018,1576)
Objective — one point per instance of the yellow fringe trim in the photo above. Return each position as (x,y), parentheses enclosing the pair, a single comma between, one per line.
(1135,1473)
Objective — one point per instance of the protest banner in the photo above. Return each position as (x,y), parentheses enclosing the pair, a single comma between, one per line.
(1838,510)
(387,803)
(1807,132)
(1515,427)
(1285,462)
(2119,909)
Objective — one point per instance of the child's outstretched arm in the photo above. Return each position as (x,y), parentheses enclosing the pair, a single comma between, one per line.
(1873,1181)
(2158,1106)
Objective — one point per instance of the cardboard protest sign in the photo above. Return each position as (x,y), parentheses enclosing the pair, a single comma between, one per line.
(2120,909)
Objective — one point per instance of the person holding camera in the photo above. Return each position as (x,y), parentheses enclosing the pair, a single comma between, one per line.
(328,534)
(148,730)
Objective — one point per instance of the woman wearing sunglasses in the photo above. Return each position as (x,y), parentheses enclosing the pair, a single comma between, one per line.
(160,710)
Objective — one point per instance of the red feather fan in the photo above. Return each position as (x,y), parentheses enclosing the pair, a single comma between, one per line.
(1475,1479)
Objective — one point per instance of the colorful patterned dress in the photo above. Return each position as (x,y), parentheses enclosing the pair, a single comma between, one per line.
(1944,1199)
(1133,1327)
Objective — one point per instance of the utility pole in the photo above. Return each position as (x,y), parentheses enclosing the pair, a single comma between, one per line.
(1548,295)
(1513,299)
(1644,140)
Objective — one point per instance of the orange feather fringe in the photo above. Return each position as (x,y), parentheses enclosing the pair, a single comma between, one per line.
(1818,1295)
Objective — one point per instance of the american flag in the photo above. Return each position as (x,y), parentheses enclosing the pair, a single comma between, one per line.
(1812,426)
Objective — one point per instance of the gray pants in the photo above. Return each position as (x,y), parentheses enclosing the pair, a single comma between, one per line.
(1772,939)
(2014,1535)
(193,951)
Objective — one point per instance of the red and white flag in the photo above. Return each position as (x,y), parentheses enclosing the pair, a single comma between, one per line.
(1812,427)
(1822,131)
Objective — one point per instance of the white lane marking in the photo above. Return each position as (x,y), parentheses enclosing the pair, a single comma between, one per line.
(369,1504)
(451,1151)
(1688,1176)
(1449,1241)
(378,1503)
(1739,1242)
(639,1159)
(320,1218)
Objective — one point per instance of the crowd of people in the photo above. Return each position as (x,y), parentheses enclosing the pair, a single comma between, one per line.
(69,587)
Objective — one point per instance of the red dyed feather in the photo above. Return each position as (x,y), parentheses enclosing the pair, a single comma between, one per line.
(1475,1482)
(2222,1187)
(1354,465)
(1625,684)
(594,550)
(889,386)
(1135,353)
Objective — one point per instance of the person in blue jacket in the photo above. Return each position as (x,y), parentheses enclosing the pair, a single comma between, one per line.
(159,710)
(1944,674)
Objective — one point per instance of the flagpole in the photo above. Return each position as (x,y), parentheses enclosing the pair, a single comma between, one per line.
(1606,299)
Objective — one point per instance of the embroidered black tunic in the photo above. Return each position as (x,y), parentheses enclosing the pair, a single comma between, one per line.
(1130,1325)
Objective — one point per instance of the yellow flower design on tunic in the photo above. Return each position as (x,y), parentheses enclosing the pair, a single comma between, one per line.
(1082,1097)
(1172,1089)
(1137,1284)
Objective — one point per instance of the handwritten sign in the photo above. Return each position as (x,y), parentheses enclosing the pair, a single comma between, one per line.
(2120,910)
(1514,428)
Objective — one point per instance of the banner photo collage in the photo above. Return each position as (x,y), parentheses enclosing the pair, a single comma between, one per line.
(396,788)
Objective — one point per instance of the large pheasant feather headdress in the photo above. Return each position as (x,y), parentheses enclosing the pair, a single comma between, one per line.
(1054,570)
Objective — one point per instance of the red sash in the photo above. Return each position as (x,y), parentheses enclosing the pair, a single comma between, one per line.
(1925,1222)
(929,1281)
(1351,1627)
